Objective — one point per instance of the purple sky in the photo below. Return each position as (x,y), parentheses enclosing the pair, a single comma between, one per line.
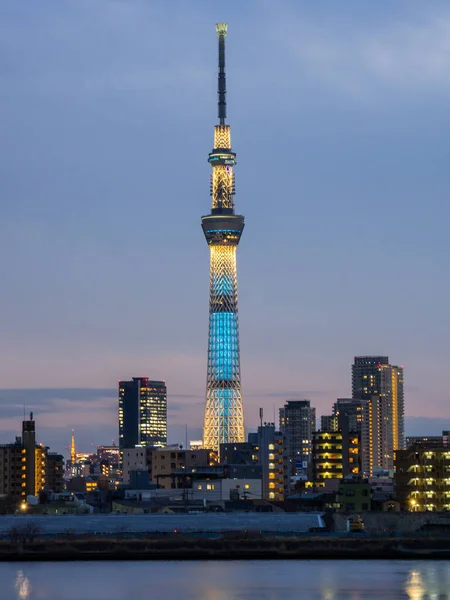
(340,121)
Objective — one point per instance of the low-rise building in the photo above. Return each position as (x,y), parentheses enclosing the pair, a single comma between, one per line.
(136,459)
(383,488)
(166,464)
(354,495)
(227,489)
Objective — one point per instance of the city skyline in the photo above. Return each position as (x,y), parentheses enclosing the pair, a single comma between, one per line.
(343,140)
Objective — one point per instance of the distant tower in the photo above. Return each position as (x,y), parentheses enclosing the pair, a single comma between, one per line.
(73,454)
(224,415)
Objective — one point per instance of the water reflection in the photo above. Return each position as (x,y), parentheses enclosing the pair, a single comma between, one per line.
(228,580)
(22,585)
(414,586)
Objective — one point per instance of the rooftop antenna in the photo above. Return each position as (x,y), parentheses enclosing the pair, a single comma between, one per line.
(261,414)
(221,29)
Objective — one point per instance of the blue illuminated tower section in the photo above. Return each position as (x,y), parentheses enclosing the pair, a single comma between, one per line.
(224,415)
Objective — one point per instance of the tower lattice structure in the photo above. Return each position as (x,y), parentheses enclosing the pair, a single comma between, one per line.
(224,415)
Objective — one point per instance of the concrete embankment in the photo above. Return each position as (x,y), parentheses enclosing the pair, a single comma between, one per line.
(179,548)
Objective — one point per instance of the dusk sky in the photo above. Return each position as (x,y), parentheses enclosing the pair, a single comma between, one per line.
(340,117)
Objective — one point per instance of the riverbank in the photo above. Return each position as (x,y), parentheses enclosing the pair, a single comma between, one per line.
(179,548)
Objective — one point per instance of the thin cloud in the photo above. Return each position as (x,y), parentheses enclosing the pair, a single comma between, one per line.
(71,394)
(412,52)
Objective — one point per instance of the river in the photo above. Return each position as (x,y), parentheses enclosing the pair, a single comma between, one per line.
(227,580)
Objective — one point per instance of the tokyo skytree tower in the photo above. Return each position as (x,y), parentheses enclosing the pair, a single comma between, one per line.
(224,415)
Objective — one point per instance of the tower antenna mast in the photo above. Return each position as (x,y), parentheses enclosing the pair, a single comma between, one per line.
(221,29)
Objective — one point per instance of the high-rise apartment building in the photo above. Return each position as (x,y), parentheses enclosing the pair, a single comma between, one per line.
(224,415)
(328,423)
(422,478)
(381,386)
(271,447)
(55,473)
(348,414)
(142,413)
(23,465)
(335,455)
(352,415)
(298,422)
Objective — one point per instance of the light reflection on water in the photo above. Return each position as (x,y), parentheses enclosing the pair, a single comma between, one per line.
(415,587)
(22,585)
(227,580)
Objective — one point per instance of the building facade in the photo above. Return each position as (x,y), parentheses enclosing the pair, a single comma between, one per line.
(168,465)
(227,489)
(354,495)
(136,459)
(335,455)
(224,414)
(428,441)
(328,423)
(142,413)
(272,451)
(55,473)
(297,423)
(381,385)
(422,478)
(352,415)
(242,453)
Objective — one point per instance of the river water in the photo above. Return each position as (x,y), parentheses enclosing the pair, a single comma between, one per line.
(227,580)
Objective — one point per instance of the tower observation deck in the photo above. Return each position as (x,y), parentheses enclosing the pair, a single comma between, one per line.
(224,415)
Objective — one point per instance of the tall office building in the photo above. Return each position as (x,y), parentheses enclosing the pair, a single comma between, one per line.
(381,386)
(142,413)
(224,416)
(298,422)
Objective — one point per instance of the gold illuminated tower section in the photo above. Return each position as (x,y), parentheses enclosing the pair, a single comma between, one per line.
(224,415)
